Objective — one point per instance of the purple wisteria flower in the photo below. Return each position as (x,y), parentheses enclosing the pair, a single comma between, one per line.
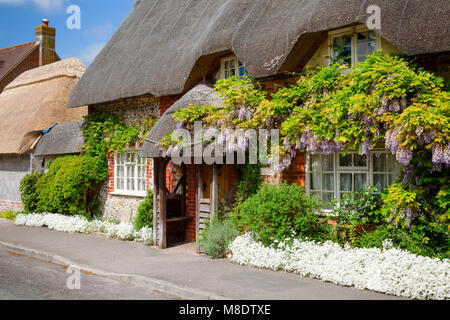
(404,155)
(391,141)
(410,215)
(408,174)
(366,147)
(441,154)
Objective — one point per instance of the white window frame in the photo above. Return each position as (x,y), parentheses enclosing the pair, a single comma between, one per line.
(127,192)
(368,169)
(353,32)
(236,63)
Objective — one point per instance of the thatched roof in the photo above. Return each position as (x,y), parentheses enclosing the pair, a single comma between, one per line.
(163,45)
(65,138)
(35,101)
(201,95)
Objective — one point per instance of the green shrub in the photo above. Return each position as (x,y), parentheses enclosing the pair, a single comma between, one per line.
(217,236)
(279,212)
(144,216)
(9,214)
(355,214)
(28,191)
(412,240)
(71,185)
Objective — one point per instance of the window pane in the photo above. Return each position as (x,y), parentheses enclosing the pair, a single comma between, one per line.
(345,182)
(315,181)
(371,47)
(372,36)
(362,50)
(362,37)
(327,197)
(327,163)
(360,161)
(360,181)
(345,161)
(315,163)
(343,41)
(130,184)
(316,195)
(379,163)
(328,182)
(393,165)
(379,181)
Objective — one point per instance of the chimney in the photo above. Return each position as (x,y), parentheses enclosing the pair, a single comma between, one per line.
(45,36)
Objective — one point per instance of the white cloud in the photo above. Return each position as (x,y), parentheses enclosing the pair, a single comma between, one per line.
(44,5)
(88,55)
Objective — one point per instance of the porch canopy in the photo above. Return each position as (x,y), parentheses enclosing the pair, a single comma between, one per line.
(201,95)
(169,210)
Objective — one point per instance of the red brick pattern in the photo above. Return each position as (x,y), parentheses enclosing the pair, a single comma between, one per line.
(111,174)
(190,201)
(166,102)
(11,205)
(294,174)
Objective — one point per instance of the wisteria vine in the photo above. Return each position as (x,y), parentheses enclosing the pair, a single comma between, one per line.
(383,103)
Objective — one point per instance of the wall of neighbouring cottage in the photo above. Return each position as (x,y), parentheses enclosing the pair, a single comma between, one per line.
(12,169)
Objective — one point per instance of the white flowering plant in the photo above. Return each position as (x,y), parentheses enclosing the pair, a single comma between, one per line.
(79,224)
(388,270)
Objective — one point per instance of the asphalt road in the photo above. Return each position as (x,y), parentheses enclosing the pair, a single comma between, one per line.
(25,278)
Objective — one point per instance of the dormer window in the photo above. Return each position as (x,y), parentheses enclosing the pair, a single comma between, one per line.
(353,45)
(231,66)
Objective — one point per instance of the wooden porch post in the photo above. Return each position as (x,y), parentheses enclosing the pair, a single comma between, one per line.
(214,191)
(162,205)
(155,200)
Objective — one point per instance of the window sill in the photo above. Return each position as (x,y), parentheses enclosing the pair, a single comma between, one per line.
(129,194)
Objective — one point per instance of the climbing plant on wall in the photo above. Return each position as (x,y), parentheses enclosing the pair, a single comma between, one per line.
(106,133)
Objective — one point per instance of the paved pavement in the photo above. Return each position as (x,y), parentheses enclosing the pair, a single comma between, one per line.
(24,278)
(186,276)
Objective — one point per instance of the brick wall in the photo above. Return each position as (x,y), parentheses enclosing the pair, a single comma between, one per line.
(15,206)
(166,102)
(191,201)
(294,174)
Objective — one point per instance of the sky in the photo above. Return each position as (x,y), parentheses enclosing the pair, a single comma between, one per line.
(99,20)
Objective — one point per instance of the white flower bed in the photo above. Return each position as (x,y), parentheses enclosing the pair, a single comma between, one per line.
(58,222)
(391,270)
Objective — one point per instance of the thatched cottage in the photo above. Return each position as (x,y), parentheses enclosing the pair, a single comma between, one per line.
(33,102)
(22,57)
(165,51)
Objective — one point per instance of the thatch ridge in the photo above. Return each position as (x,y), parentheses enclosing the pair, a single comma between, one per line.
(157,46)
